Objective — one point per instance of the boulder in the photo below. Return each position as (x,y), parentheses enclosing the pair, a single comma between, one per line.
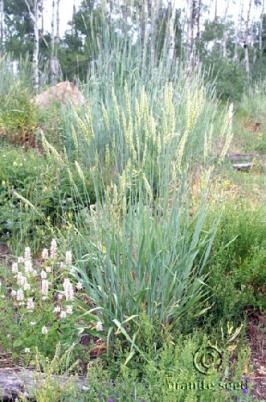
(64,92)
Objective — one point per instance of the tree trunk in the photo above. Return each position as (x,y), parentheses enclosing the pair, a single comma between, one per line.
(171,32)
(261,28)
(1,25)
(33,9)
(42,18)
(152,12)
(55,38)
(198,18)
(224,46)
(238,32)
(36,45)
(215,10)
(143,31)
(191,43)
(247,41)
(52,55)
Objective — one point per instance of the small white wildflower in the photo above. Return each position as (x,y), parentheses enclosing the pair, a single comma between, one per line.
(27,350)
(99,326)
(13,293)
(48,269)
(34,273)
(53,248)
(57,309)
(21,304)
(79,286)
(21,279)
(27,254)
(45,287)
(26,286)
(20,295)
(28,266)
(44,330)
(45,254)
(32,323)
(68,290)
(69,309)
(30,304)
(20,260)
(63,315)
(60,296)
(62,265)
(43,275)
(14,268)
(68,259)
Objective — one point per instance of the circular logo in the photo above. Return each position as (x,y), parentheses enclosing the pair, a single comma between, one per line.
(207,359)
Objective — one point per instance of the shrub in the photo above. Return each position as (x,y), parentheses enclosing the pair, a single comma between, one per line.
(36,194)
(237,263)
(18,115)
(230,78)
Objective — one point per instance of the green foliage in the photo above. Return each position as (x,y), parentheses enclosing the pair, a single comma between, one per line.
(237,265)
(37,194)
(230,79)
(170,376)
(18,116)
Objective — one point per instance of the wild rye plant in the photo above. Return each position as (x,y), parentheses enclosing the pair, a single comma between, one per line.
(144,243)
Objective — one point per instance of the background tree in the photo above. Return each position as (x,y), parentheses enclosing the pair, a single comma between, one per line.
(1,25)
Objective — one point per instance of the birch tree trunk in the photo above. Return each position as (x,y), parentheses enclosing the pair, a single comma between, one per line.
(52,55)
(224,46)
(191,42)
(261,28)
(247,41)
(57,22)
(238,32)
(55,37)
(1,25)
(57,40)
(215,10)
(41,17)
(198,18)
(36,50)
(143,30)
(33,9)
(171,31)
(152,13)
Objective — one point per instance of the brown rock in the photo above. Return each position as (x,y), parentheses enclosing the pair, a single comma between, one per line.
(64,92)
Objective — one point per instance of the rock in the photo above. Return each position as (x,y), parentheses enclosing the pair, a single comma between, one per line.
(244,167)
(64,92)
(15,382)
